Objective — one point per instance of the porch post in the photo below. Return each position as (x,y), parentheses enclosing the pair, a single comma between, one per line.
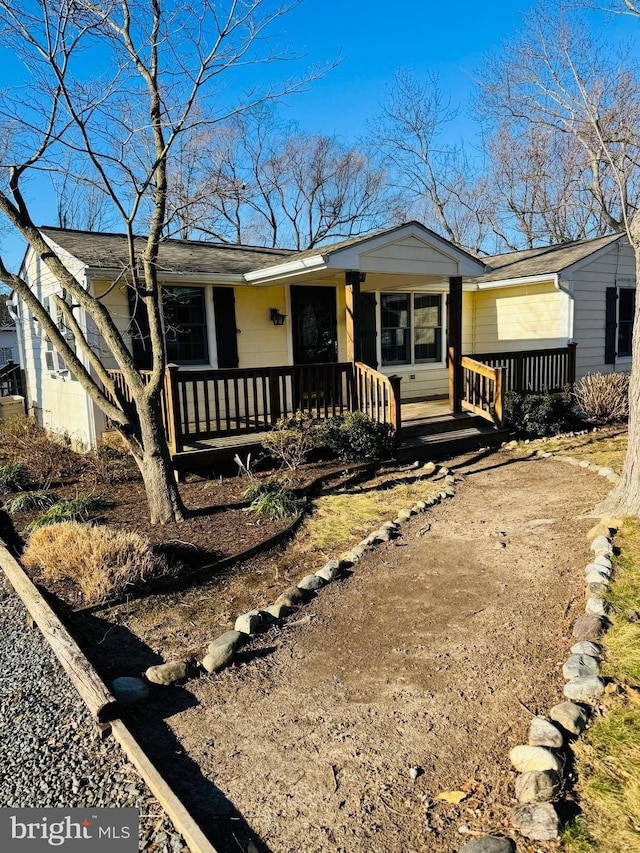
(454,346)
(353,326)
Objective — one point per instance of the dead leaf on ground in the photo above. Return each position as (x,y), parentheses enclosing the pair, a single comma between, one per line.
(453,797)
(633,694)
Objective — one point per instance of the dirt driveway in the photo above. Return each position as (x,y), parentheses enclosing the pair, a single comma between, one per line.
(425,657)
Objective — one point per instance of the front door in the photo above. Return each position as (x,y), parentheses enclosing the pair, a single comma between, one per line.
(315,339)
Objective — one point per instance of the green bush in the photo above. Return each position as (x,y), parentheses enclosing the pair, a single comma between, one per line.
(14,477)
(356,436)
(536,415)
(291,439)
(271,499)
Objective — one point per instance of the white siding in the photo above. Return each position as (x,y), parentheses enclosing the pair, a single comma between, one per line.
(616,267)
(57,401)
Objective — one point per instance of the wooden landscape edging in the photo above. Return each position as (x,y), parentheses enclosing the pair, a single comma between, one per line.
(99,700)
(162,791)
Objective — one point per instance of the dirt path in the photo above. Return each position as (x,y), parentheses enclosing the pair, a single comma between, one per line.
(421,658)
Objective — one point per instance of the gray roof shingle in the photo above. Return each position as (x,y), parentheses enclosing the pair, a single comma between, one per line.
(544,260)
(109,251)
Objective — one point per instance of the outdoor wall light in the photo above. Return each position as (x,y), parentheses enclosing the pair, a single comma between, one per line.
(277,318)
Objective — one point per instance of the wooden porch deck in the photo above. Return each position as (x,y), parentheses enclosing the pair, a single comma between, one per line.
(429,429)
(212,415)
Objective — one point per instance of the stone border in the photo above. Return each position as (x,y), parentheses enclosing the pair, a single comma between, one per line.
(541,762)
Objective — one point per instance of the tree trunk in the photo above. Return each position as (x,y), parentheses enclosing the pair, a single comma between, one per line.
(624,499)
(154,462)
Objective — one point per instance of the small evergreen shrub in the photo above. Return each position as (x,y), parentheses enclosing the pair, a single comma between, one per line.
(103,562)
(271,499)
(602,398)
(536,415)
(291,439)
(356,437)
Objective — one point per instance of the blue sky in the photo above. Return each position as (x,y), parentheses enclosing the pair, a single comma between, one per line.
(374,39)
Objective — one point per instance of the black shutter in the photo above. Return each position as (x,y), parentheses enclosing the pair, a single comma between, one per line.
(139,330)
(610,326)
(224,308)
(368,330)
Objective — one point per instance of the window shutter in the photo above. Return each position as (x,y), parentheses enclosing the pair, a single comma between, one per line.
(139,330)
(610,325)
(224,308)
(368,329)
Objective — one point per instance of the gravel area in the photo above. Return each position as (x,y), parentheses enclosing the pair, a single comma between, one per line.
(51,755)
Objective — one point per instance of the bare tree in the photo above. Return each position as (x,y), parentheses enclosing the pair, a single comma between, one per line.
(115,84)
(537,188)
(260,180)
(436,180)
(557,78)
(557,75)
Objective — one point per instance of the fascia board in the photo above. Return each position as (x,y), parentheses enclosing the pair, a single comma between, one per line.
(315,263)
(103,273)
(517,282)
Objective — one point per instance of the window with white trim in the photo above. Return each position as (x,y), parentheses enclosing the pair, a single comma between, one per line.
(411,328)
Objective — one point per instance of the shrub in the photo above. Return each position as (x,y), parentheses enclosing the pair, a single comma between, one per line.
(29,501)
(271,499)
(356,436)
(602,398)
(536,414)
(74,509)
(14,477)
(103,562)
(291,439)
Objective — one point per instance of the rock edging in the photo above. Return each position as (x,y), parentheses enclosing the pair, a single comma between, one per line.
(541,762)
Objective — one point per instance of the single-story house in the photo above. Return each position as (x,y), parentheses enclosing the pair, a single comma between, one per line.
(378,322)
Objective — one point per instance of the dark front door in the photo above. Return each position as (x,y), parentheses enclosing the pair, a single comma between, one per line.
(313,312)
(315,342)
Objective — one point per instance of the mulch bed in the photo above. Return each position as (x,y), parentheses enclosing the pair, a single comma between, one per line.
(218,527)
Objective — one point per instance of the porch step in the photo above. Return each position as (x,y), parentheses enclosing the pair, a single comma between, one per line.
(449,422)
(449,443)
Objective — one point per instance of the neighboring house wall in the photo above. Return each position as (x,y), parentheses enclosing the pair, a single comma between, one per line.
(590,280)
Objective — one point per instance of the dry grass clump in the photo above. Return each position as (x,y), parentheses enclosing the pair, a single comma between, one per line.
(103,562)
(603,398)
